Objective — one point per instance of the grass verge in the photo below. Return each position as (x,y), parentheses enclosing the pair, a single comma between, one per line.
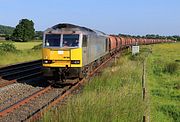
(113,96)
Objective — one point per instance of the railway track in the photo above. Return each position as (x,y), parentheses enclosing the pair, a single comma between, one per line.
(23,91)
(20,108)
(73,88)
(19,72)
(33,98)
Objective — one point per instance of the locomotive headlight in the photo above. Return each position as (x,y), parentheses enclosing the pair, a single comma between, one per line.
(47,61)
(75,61)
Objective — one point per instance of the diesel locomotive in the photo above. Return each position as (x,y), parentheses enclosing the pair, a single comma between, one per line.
(74,51)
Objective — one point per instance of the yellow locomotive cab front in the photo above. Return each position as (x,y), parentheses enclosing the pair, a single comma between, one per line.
(64,57)
(62,54)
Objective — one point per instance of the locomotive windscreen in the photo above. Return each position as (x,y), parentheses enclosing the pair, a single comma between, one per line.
(70,40)
(52,40)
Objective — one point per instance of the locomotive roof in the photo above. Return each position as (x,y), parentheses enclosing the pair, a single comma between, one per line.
(72,26)
(66,25)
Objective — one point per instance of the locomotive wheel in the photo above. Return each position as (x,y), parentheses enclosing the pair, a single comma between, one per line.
(63,77)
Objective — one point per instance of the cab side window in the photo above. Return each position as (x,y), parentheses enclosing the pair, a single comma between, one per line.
(84,43)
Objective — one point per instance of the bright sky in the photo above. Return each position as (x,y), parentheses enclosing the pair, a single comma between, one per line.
(137,17)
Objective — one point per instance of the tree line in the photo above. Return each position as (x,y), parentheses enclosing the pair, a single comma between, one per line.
(153,36)
(6,30)
(23,32)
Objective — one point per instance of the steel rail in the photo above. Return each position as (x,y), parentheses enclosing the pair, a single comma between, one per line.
(18,79)
(11,108)
(21,71)
(19,68)
(16,69)
(19,64)
(67,93)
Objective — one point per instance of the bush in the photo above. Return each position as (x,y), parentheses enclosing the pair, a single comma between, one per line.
(171,68)
(158,67)
(37,47)
(7,47)
(136,57)
(172,111)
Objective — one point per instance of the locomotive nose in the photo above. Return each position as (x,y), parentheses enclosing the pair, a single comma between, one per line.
(59,58)
(63,55)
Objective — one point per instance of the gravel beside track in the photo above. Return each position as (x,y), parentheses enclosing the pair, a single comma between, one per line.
(15,92)
(26,110)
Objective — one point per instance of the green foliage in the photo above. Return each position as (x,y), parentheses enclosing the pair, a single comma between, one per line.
(7,47)
(160,66)
(16,52)
(171,67)
(115,95)
(5,36)
(38,35)
(153,36)
(170,110)
(136,57)
(26,45)
(24,31)
(20,56)
(37,47)
(163,82)
(176,37)
(6,30)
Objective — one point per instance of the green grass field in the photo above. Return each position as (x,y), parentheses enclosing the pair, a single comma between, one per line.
(113,96)
(116,95)
(163,77)
(24,53)
(26,45)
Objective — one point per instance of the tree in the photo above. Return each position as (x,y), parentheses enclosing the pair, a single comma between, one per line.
(24,31)
(6,30)
(38,35)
